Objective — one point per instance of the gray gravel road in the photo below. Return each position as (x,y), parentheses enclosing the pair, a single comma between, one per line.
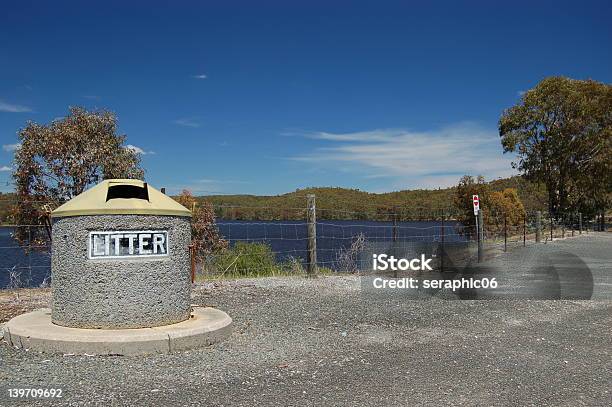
(325,342)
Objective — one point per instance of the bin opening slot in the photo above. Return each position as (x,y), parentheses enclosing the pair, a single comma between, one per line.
(126,191)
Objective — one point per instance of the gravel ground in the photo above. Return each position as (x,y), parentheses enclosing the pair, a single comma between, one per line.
(326,342)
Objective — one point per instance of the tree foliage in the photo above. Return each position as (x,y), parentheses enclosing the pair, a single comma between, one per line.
(59,160)
(561,131)
(496,206)
(504,209)
(205,236)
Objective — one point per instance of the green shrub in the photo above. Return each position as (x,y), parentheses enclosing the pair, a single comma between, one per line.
(247,259)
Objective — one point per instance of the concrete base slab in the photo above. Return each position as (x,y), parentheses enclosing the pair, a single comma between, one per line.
(34,331)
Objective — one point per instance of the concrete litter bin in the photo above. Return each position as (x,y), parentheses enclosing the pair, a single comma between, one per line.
(121,258)
(120,278)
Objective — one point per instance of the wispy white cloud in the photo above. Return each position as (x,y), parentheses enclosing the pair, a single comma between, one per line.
(208,186)
(139,150)
(13,108)
(435,158)
(5,168)
(200,76)
(11,147)
(218,181)
(186,122)
(521,92)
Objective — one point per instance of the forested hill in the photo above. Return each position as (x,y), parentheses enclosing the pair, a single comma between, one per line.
(342,203)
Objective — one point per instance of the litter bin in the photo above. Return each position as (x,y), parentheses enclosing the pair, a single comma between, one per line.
(120,258)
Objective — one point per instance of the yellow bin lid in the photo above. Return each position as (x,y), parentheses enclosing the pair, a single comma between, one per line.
(121,197)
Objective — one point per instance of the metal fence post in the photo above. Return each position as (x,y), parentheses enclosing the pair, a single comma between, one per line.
(580,223)
(572,223)
(480,236)
(538,226)
(312,236)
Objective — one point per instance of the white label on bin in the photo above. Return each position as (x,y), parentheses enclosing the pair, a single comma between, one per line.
(128,243)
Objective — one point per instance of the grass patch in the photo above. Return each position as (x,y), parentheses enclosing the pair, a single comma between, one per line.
(251,260)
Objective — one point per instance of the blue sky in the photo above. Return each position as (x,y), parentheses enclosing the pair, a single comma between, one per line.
(267,97)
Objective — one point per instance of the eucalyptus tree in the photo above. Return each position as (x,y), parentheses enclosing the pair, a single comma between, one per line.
(57,161)
(561,132)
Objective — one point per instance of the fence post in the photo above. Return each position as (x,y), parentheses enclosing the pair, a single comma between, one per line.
(395,224)
(551,226)
(580,223)
(442,241)
(505,233)
(572,223)
(563,226)
(538,225)
(312,236)
(524,229)
(480,236)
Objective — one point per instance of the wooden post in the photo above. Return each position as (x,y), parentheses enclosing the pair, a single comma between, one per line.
(572,223)
(563,226)
(442,244)
(480,236)
(311,215)
(395,224)
(551,226)
(505,233)
(580,223)
(524,229)
(538,236)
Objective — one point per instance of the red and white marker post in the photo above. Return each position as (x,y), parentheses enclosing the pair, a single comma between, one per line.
(476,203)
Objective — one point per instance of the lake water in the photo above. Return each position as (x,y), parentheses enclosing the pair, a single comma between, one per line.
(286,238)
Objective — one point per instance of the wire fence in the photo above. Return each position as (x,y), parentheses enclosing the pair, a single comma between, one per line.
(344,241)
